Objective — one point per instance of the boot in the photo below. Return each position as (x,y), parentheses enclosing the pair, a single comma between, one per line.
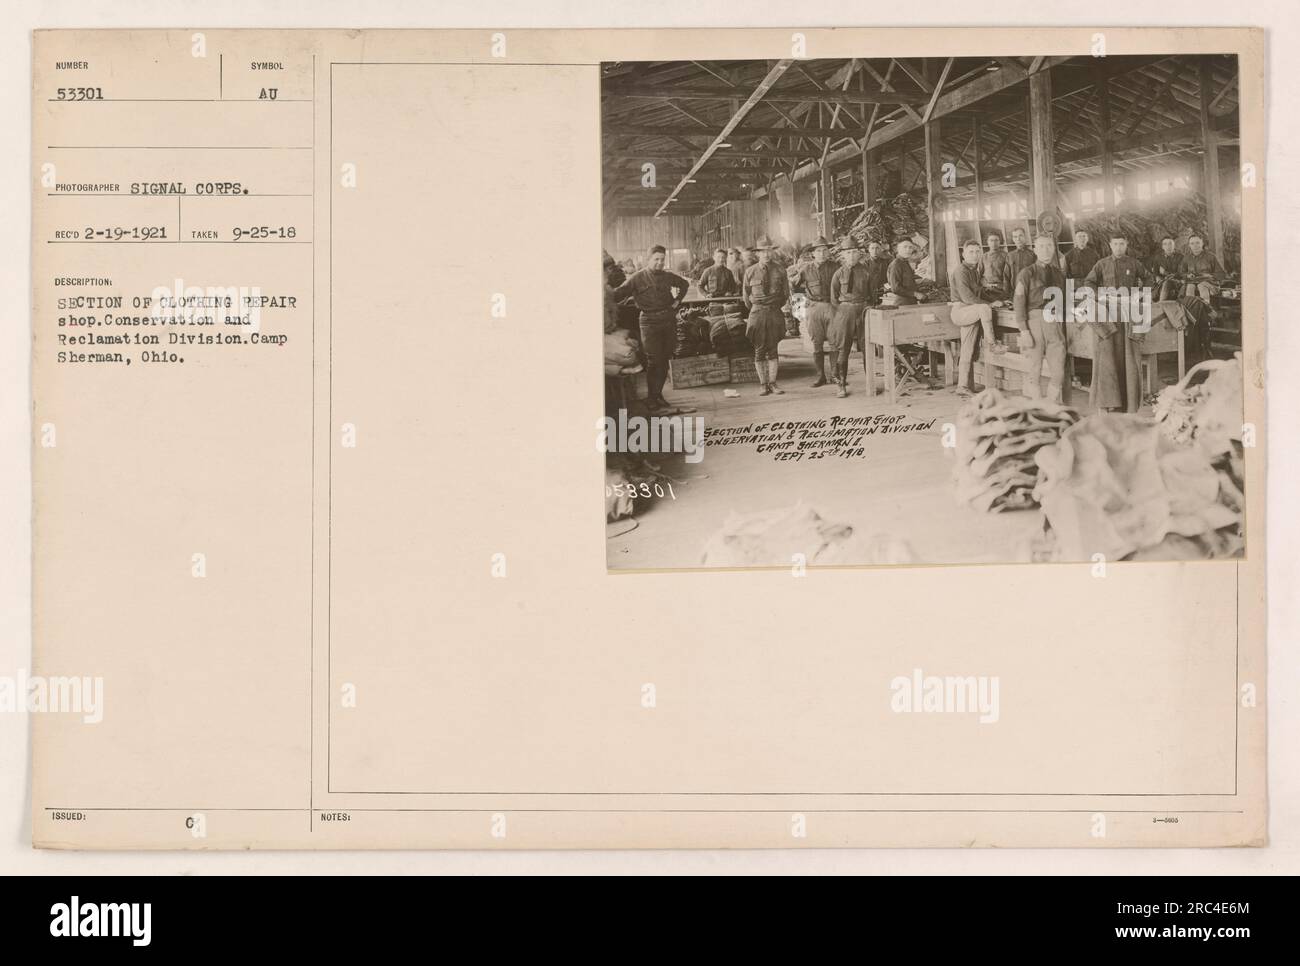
(819,359)
(842,377)
(771,378)
(761,369)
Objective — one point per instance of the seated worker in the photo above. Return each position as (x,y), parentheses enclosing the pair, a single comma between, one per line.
(969,309)
(1165,268)
(1039,300)
(814,280)
(901,278)
(1202,269)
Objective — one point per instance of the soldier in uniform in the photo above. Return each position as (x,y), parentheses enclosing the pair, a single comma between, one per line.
(765,290)
(994,268)
(1114,280)
(850,292)
(1020,257)
(657,293)
(716,281)
(814,280)
(1078,263)
(1165,268)
(902,279)
(1201,269)
(1039,300)
(877,264)
(971,313)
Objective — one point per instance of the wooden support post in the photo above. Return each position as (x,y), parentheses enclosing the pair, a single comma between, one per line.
(1210,142)
(1107,159)
(828,203)
(979,180)
(870,189)
(934,174)
(1042,166)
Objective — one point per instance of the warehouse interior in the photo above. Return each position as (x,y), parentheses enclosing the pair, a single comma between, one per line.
(707,155)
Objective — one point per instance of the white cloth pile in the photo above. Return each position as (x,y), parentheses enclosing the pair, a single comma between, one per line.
(620,353)
(1169,488)
(797,535)
(997,438)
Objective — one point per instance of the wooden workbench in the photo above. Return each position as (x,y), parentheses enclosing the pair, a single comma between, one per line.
(923,324)
(1081,343)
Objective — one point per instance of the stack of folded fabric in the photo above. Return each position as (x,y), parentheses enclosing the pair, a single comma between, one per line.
(997,438)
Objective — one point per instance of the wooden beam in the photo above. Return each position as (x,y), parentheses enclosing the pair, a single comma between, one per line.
(885,85)
(726,153)
(1232,82)
(1042,165)
(694,130)
(827,200)
(835,114)
(938,89)
(917,77)
(1213,190)
(1107,157)
(1183,132)
(772,77)
(979,177)
(958,99)
(785,96)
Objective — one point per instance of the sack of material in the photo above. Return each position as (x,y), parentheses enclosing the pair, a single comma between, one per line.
(620,350)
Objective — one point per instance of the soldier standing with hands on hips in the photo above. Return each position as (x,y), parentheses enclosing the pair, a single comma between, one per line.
(657,293)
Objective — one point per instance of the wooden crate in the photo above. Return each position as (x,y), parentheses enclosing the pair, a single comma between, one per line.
(742,369)
(695,371)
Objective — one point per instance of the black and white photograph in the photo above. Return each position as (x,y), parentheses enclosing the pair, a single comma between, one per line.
(922,310)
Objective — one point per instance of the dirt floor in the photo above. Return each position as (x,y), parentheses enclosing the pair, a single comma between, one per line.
(899,493)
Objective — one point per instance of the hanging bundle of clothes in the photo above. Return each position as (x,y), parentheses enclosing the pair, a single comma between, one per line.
(998,437)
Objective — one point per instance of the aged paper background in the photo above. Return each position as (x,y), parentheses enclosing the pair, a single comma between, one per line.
(539,643)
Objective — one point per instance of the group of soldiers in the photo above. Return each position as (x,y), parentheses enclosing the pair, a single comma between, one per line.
(1033,279)
(1046,287)
(838,293)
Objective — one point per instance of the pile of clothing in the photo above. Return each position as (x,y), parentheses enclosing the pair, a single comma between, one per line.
(1146,223)
(621,353)
(787,536)
(891,220)
(727,332)
(1170,487)
(998,437)
(692,334)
